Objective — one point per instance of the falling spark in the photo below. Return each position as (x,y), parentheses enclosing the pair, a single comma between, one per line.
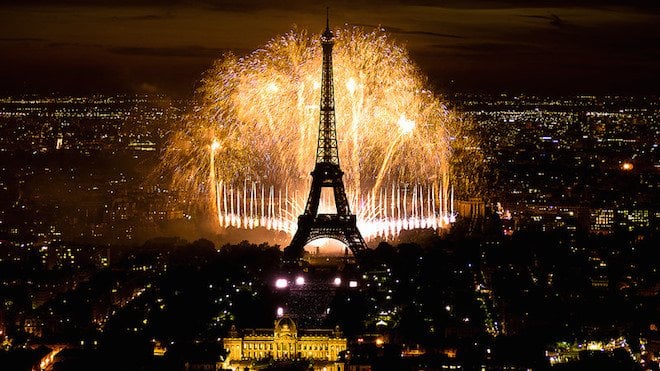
(247,148)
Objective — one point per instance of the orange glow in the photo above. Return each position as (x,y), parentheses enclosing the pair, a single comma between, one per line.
(627,166)
(259,115)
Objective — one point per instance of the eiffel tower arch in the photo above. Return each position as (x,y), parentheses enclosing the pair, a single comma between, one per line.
(340,225)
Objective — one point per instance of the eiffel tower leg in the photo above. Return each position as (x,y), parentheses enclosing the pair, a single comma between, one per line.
(354,240)
(296,248)
(300,238)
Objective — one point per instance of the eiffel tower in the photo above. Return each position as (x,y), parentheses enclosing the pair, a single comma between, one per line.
(340,226)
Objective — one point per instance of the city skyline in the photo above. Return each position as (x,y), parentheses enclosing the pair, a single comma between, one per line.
(147,227)
(568,227)
(165,47)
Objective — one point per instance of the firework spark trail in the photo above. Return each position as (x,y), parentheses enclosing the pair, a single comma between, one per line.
(258,118)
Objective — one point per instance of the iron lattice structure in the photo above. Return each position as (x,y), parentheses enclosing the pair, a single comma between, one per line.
(342,225)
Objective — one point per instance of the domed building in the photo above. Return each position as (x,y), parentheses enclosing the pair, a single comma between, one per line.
(284,342)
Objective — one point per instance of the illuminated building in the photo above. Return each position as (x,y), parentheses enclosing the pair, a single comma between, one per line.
(602,220)
(284,342)
(632,219)
(606,220)
(472,208)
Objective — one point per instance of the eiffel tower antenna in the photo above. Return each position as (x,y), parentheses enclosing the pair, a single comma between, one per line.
(341,225)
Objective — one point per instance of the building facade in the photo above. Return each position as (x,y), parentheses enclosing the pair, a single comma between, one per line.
(285,342)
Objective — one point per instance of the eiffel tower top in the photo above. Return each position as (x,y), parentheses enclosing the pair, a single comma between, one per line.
(327,35)
(326,152)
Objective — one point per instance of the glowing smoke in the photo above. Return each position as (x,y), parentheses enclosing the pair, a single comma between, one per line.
(245,152)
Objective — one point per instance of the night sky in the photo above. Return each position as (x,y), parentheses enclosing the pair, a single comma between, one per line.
(91,46)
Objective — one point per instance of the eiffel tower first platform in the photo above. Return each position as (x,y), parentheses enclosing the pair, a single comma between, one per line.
(340,226)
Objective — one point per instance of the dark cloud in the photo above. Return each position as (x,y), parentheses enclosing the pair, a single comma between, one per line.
(490,48)
(144,17)
(69,45)
(526,45)
(249,5)
(554,19)
(400,31)
(193,51)
(21,39)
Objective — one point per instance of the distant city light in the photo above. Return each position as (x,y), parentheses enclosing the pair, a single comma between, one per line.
(627,166)
(352,283)
(281,283)
(337,281)
(300,280)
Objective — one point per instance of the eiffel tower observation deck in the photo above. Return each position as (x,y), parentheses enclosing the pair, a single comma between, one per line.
(327,174)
